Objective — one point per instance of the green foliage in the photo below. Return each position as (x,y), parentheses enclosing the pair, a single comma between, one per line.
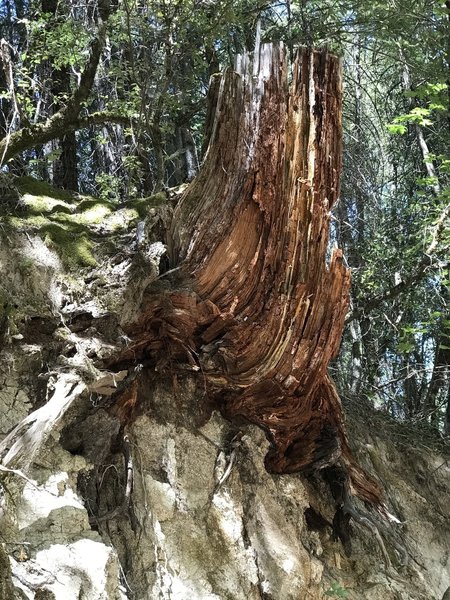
(336,591)
(108,186)
(59,40)
(396,128)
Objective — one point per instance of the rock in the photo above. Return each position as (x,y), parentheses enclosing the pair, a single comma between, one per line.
(6,586)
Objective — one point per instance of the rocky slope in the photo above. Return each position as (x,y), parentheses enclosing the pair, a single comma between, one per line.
(174,503)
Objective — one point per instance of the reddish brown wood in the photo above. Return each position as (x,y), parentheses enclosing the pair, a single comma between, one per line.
(265,309)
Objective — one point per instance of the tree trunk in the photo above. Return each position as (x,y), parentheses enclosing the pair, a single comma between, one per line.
(264,312)
(438,393)
(65,171)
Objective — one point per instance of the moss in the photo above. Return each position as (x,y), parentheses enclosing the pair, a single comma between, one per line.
(61,208)
(36,205)
(74,247)
(34,187)
(94,215)
(123,220)
(25,265)
(70,224)
(27,223)
(142,205)
(89,203)
(71,240)
(11,223)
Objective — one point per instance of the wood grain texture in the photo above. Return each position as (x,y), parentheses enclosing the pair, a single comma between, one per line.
(261,308)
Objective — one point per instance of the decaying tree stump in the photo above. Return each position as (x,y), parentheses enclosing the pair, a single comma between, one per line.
(256,307)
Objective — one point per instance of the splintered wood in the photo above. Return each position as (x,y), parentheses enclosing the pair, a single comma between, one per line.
(260,309)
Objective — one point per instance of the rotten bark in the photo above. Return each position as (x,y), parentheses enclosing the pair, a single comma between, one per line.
(255,308)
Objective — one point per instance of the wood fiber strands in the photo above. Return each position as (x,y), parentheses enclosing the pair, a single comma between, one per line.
(265,309)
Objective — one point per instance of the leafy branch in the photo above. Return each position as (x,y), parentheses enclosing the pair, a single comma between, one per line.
(68,117)
(438,233)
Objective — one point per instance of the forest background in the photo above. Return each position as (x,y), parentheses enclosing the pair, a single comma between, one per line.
(111,100)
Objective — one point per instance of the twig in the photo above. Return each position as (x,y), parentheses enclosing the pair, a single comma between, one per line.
(230,462)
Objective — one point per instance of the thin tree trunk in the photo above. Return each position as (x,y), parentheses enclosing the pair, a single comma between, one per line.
(65,171)
(190,154)
(426,155)
(439,383)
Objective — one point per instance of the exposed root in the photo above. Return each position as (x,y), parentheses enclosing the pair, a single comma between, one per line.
(20,446)
(126,507)
(338,480)
(230,461)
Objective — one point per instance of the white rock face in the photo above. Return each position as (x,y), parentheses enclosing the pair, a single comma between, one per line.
(248,539)
(56,550)
(84,569)
(245,539)
(37,502)
(204,519)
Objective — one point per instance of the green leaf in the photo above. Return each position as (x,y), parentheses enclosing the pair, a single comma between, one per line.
(405,347)
(336,591)
(396,129)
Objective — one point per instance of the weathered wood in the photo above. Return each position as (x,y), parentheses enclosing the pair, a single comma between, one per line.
(265,310)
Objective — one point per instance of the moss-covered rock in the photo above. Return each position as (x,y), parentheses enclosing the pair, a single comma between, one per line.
(142,205)
(35,187)
(76,227)
(82,230)
(73,247)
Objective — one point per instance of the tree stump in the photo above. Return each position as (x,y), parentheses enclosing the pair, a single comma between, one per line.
(258,303)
